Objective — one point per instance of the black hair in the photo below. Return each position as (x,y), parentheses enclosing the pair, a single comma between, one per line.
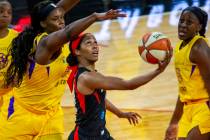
(202,17)
(22,46)
(72,59)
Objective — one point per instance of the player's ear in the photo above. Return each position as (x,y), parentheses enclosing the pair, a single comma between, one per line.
(43,25)
(199,27)
(77,52)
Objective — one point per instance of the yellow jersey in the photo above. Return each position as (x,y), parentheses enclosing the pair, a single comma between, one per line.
(37,91)
(4,60)
(190,82)
(61,85)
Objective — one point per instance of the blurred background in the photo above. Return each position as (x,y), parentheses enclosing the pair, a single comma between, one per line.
(132,7)
(119,57)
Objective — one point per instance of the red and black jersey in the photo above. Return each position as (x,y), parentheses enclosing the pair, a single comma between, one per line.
(90,111)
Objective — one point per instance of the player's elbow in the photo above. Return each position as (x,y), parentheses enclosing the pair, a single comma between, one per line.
(41,61)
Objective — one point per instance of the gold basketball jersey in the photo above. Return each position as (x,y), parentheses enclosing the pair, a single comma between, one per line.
(37,91)
(4,60)
(190,82)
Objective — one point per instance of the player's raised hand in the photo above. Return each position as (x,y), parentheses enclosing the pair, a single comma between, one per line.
(111,14)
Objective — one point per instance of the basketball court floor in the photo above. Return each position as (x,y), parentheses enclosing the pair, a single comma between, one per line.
(154,102)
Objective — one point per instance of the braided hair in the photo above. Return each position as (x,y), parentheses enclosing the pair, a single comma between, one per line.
(22,46)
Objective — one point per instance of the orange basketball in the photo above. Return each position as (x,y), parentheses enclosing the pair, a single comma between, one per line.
(153,47)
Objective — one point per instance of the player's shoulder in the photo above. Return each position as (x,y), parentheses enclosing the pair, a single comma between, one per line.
(39,37)
(13,32)
(201,42)
(87,75)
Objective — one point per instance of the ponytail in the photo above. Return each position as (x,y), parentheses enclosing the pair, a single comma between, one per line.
(72,59)
(202,31)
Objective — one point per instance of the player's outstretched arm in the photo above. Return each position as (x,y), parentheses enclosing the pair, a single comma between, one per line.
(95,80)
(53,42)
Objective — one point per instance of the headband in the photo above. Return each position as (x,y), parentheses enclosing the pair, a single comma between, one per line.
(46,10)
(75,43)
(73,46)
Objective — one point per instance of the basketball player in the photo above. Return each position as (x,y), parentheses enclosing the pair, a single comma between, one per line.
(191,118)
(90,88)
(36,66)
(6,36)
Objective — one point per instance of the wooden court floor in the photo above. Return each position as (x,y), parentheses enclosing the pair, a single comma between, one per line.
(151,127)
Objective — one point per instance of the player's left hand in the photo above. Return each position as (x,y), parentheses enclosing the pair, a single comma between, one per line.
(111,14)
(132,117)
(171,132)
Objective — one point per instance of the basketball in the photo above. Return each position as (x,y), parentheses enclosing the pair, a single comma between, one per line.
(153,47)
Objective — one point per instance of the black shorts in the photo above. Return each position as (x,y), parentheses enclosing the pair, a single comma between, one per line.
(81,135)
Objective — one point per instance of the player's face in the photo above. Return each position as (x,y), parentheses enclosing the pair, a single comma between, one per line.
(188,26)
(89,48)
(54,21)
(5,14)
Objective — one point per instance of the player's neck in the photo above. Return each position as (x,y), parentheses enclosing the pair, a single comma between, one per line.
(3,32)
(185,42)
(89,67)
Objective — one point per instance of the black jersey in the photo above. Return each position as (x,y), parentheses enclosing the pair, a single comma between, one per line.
(90,114)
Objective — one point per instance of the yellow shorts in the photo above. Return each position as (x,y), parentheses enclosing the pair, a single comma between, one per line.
(197,114)
(20,124)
